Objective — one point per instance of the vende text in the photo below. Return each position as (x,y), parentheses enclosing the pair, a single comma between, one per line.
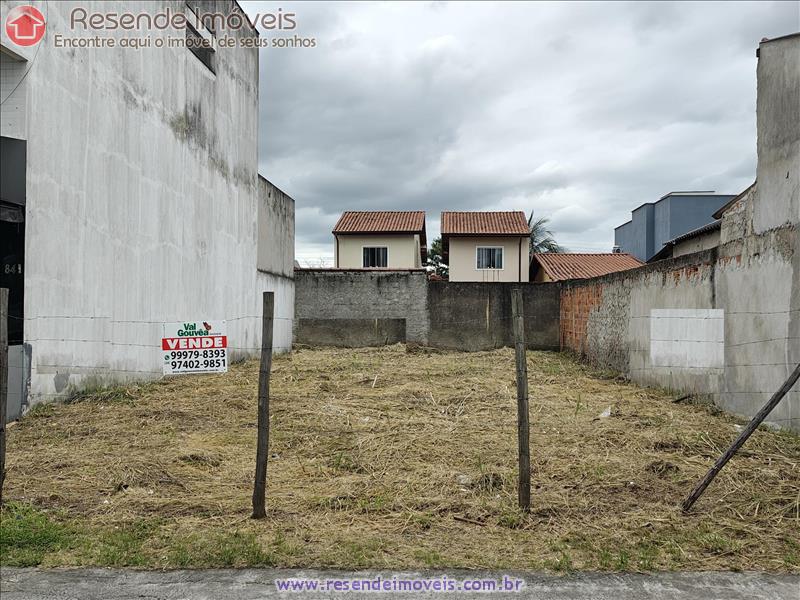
(194,343)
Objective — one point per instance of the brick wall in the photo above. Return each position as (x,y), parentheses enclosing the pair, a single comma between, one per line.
(576,305)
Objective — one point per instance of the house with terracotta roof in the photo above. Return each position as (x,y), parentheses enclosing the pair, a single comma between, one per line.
(560,266)
(380,240)
(485,246)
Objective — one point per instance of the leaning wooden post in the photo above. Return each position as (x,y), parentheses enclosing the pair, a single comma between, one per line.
(262,447)
(523,430)
(746,433)
(3,384)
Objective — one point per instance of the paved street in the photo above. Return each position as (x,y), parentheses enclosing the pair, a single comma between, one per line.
(107,584)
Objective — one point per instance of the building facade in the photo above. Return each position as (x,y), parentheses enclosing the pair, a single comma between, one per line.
(653,224)
(380,240)
(131,198)
(486,246)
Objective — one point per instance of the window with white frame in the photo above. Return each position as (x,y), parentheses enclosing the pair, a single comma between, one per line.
(375,256)
(489,257)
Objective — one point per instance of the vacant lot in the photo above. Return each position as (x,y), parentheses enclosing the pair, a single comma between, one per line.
(384,458)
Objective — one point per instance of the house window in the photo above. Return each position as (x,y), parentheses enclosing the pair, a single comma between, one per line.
(489,258)
(376,257)
(199,46)
(198,40)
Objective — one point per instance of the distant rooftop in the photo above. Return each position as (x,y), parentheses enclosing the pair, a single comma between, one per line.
(569,265)
(381,221)
(484,223)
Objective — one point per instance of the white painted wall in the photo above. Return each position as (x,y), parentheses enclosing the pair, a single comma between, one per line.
(689,338)
(463,263)
(403,251)
(142,204)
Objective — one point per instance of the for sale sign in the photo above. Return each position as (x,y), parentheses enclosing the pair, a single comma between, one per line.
(195,347)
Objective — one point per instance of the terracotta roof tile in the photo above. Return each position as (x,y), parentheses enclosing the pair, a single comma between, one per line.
(381,221)
(484,223)
(564,265)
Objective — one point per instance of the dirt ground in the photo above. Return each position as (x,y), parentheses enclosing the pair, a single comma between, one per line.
(387,459)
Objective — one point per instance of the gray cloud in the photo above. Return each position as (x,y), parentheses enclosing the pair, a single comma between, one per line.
(579,112)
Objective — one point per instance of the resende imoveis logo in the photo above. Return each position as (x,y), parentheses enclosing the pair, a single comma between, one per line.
(25,25)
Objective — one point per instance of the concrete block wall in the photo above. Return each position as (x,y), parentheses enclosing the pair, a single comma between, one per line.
(336,294)
(364,307)
(717,322)
(351,333)
(477,316)
(610,320)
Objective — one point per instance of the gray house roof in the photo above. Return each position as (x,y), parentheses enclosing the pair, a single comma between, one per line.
(666,250)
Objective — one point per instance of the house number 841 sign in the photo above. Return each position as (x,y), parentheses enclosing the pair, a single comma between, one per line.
(194,347)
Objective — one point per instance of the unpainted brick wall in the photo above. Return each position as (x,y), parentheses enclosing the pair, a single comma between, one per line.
(576,305)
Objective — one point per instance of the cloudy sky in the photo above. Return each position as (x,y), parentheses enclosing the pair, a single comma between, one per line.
(578,112)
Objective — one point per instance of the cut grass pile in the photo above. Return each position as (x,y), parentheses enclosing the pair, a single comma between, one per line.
(392,459)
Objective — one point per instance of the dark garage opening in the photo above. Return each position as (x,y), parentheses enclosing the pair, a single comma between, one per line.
(12,232)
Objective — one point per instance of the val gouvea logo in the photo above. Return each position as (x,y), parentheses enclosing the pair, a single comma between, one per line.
(25,25)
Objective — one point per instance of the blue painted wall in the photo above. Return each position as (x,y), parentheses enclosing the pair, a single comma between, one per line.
(655,223)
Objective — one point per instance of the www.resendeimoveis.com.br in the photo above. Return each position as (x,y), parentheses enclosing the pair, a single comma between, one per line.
(401,584)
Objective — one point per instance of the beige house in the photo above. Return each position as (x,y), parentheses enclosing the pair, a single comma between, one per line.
(485,246)
(380,240)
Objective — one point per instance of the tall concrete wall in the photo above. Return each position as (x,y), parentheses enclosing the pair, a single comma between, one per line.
(275,266)
(726,321)
(142,196)
(609,319)
(778,140)
(369,308)
(716,322)
(275,230)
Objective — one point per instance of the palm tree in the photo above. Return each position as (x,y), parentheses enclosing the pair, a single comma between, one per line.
(436,258)
(542,239)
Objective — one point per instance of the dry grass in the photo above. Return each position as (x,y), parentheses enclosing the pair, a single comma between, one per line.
(385,458)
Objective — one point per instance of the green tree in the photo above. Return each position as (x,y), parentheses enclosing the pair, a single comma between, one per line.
(542,239)
(435,260)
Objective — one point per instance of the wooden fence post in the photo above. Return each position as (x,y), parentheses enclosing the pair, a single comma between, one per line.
(3,384)
(262,447)
(746,433)
(523,428)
